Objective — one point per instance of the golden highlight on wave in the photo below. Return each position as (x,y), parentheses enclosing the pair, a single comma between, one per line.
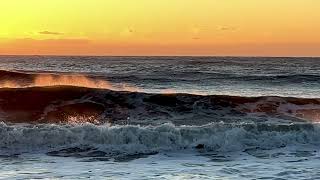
(42,80)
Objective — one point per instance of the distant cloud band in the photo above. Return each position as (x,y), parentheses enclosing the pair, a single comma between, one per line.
(50,33)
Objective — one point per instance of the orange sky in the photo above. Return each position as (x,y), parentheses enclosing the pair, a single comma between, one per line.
(160,27)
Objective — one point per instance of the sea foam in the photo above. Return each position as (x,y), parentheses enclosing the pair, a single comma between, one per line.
(131,139)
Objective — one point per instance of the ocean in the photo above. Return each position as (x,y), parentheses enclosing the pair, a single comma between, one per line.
(73,117)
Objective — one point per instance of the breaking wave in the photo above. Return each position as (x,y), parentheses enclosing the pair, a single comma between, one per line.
(69,104)
(104,140)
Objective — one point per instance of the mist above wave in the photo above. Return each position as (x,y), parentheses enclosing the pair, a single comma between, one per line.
(10,79)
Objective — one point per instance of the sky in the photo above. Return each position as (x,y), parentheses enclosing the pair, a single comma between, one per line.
(160,27)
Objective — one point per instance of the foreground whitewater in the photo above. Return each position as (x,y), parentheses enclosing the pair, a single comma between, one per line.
(103,122)
(215,150)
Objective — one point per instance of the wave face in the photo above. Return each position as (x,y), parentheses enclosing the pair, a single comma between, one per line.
(69,104)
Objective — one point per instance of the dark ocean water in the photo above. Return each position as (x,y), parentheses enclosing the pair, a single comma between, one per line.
(159,117)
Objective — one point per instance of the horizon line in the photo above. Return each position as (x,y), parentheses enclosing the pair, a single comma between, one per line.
(88,55)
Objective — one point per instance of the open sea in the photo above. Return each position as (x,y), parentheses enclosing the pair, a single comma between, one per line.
(70,117)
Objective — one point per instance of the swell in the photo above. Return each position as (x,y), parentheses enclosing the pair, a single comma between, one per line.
(292,78)
(27,78)
(70,104)
(191,76)
(8,78)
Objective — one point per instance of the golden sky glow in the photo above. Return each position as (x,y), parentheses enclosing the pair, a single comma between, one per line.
(160,27)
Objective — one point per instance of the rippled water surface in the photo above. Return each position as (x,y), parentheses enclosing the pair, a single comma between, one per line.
(278,164)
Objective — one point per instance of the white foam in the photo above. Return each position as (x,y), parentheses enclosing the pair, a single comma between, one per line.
(137,139)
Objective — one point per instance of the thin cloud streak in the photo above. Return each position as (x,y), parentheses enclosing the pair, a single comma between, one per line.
(50,33)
